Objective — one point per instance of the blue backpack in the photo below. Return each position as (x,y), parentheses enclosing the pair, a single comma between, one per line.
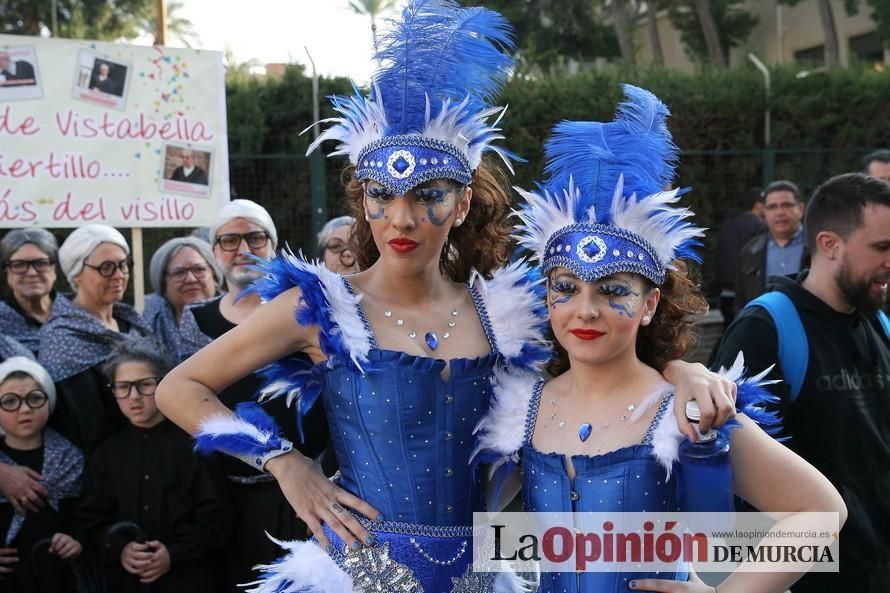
(794,350)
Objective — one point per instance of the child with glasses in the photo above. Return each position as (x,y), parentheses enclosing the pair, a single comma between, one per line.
(151,508)
(37,551)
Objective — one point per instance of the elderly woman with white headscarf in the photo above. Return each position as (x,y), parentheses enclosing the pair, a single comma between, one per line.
(182,271)
(80,335)
(29,257)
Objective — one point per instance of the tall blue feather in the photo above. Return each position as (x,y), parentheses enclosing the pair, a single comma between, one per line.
(637,144)
(439,46)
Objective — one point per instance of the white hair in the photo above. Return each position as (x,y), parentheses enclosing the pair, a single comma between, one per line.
(247,210)
(82,242)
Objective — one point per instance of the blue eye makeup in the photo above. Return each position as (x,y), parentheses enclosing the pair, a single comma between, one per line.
(617,290)
(565,287)
(430,195)
(380,194)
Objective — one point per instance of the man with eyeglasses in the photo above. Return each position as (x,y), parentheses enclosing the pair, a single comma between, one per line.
(780,250)
(244,229)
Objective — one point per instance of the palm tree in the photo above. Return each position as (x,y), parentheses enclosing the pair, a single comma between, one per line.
(710,32)
(178,27)
(652,33)
(621,25)
(826,15)
(372,9)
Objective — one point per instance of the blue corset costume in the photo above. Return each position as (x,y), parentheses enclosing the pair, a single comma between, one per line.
(631,479)
(402,434)
(627,479)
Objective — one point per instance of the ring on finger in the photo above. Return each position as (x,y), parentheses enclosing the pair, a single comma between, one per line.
(337,507)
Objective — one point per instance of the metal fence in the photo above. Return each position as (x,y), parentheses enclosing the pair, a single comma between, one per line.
(302,193)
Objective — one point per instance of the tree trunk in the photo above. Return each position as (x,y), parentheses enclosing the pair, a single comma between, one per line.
(652,30)
(621,23)
(710,33)
(831,46)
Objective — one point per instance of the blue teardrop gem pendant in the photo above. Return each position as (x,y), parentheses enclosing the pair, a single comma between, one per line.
(584,431)
(432,340)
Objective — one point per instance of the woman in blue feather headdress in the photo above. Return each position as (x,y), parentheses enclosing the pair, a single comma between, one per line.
(403,351)
(601,437)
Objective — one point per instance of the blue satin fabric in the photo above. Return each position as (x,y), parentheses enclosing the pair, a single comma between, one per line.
(403,436)
(626,480)
(434,556)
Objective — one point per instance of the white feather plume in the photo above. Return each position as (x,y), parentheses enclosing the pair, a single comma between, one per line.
(510,302)
(666,441)
(736,372)
(228,424)
(502,429)
(507,581)
(654,219)
(344,312)
(305,568)
(364,122)
(543,215)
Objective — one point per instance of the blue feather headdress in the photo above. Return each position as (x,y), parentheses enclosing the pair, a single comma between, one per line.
(428,115)
(604,208)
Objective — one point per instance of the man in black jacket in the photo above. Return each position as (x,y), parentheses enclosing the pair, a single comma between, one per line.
(780,250)
(840,421)
(189,172)
(734,233)
(15,72)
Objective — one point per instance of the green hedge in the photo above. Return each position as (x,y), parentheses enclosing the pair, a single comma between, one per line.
(822,124)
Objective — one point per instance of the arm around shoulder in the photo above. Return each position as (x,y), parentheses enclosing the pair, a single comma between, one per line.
(774,478)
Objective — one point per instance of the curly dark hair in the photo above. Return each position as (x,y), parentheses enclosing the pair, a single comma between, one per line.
(482,242)
(672,331)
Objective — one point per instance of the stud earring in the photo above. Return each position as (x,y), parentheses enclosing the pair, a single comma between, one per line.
(646,319)
(367,219)
(458,221)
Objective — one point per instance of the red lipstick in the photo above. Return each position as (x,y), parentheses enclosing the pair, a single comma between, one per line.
(402,245)
(586,334)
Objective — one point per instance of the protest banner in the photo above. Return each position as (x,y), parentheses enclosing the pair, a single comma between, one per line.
(124,135)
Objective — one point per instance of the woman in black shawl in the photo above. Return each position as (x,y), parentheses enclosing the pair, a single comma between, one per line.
(80,334)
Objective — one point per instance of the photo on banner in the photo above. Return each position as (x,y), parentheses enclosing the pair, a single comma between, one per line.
(101,80)
(185,170)
(19,76)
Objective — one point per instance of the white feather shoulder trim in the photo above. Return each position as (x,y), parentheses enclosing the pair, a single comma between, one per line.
(501,432)
(666,440)
(513,309)
(345,313)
